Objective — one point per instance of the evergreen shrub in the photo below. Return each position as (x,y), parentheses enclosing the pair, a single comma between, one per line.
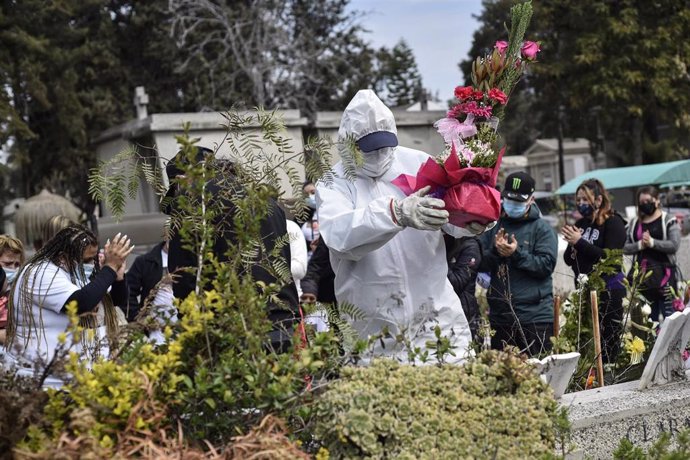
(493,407)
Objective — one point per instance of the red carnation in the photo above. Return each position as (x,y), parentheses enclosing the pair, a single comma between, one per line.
(463,92)
(478,95)
(497,95)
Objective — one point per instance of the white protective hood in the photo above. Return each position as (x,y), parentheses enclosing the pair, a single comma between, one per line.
(366,114)
(396,276)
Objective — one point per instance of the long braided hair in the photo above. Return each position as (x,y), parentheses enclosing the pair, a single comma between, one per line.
(65,250)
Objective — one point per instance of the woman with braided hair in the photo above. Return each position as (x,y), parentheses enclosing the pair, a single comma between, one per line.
(53,278)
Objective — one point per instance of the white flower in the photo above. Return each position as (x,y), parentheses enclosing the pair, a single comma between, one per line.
(443,156)
(626,302)
(582,279)
(646,309)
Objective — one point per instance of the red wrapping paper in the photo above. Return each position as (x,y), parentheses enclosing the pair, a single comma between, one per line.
(469,194)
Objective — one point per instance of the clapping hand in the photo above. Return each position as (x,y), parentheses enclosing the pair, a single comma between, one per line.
(116,252)
(571,234)
(646,239)
(505,245)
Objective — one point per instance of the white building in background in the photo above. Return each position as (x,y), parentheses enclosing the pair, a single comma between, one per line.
(542,161)
(511,164)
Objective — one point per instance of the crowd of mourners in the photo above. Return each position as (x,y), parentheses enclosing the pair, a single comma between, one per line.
(362,242)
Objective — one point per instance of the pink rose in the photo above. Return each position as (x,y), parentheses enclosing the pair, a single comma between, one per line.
(501,46)
(529,50)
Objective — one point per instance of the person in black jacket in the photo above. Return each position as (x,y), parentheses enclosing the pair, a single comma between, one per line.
(520,252)
(317,284)
(464,257)
(599,228)
(283,313)
(653,238)
(146,272)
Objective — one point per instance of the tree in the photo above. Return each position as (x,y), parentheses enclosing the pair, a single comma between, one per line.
(150,58)
(58,73)
(630,58)
(402,79)
(293,54)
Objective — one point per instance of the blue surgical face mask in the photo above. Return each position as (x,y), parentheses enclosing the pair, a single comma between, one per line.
(585,209)
(88,270)
(10,274)
(311,201)
(514,209)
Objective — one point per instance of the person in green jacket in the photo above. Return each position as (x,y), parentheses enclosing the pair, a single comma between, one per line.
(520,252)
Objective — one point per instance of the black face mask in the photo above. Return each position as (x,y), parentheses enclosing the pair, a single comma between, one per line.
(586,210)
(647,208)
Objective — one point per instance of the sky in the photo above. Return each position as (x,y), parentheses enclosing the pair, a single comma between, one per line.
(438,31)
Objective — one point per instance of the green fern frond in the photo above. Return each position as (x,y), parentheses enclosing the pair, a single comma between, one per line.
(352,311)
(154,177)
(133,181)
(345,332)
(97,184)
(116,197)
(351,157)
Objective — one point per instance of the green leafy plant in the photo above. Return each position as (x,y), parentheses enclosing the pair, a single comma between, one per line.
(577,334)
(493,407)
(660,450)
(216,376)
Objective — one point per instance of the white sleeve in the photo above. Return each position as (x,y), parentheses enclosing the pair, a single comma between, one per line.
(298,251)
(49,285)
(349,231)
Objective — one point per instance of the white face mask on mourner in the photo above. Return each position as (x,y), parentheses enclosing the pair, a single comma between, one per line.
(376,163)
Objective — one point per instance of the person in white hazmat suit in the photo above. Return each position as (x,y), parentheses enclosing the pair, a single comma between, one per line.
(386,249)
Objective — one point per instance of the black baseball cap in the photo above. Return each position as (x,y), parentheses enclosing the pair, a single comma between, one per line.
(519,187)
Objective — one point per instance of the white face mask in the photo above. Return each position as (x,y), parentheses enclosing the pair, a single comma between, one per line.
(377,162)
(10,274)
(88,270)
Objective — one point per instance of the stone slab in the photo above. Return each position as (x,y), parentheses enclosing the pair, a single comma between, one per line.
(556,370)
(665,363)
(601,417)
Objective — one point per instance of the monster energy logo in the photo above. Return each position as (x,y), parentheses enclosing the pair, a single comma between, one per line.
(516,183)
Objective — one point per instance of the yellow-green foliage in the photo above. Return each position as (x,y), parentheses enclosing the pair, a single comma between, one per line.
(494,407)
(122,393)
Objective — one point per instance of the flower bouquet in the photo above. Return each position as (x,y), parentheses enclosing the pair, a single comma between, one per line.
(464,175)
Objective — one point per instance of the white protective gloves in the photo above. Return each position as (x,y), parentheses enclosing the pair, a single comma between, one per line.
(420,212)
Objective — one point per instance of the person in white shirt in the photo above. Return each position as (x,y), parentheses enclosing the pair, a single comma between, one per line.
(53,278)
(298,253)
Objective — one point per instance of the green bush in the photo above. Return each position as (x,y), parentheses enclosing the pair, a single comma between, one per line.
(493,407)
(660,450)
